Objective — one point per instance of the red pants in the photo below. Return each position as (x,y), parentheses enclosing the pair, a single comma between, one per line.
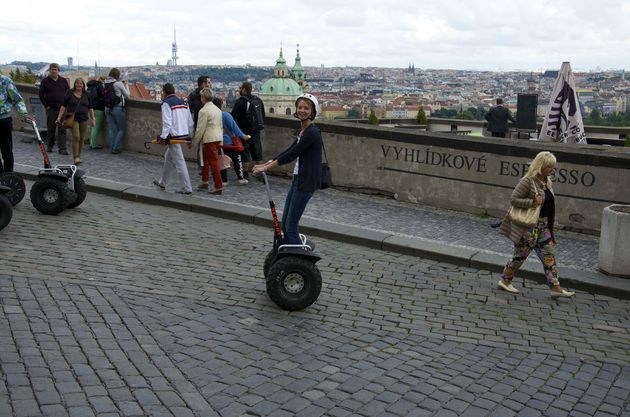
(211,161)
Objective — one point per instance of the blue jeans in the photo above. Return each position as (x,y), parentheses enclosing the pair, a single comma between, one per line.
(293,208)
(116,125)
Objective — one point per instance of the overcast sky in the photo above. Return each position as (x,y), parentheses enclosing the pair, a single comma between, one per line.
(431,34)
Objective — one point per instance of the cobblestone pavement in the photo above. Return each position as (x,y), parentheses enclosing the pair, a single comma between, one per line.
(574,250)
(123,309)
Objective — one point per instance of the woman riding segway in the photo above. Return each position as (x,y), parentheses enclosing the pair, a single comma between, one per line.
(293,281)
(307,149)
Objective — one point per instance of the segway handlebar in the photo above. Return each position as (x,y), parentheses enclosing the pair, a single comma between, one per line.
(272,206)
(41,145)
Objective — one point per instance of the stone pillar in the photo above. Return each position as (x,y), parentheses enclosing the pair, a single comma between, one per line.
(614,241)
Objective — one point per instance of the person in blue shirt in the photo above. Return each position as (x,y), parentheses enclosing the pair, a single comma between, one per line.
(230,131)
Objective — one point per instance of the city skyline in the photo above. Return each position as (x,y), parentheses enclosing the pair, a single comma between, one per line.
(532,36)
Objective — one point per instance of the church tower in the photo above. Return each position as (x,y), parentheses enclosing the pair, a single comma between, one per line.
(298,72)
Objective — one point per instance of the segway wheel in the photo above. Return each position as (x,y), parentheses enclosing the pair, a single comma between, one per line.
(48,195)
(6,212)
(293,283)
(17,186)
(81,189)
(267,263)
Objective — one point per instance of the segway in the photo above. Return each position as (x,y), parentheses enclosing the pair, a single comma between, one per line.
(6,208)
(16,187)
(293,281)
(59,187)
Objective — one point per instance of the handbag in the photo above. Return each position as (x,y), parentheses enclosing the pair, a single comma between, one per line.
(225,161)
(237,143)
(326,173)
(524,217)
(68,122)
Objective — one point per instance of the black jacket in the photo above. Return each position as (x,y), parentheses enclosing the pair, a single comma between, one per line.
(95,94)
(52,92)
(497,118)
(195,104)
(239,113)
(309,152)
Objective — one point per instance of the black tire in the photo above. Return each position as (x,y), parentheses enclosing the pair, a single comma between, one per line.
(81,190)
(293,283)
(267,263)
(6,212)
(49,195)
(17,186)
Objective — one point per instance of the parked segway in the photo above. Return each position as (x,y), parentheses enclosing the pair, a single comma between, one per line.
(6,208)
(16,187)
(293,280)
(59,187)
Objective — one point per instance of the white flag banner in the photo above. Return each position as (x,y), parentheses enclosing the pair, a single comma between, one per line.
(563,122)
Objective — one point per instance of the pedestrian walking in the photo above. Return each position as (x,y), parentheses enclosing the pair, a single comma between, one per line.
(231,133)
(95,94)
(77,102)
(52,91)
(177,123)
(115,93)
(209,134)
(534,190)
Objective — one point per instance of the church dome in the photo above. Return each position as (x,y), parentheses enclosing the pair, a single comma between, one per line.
(281,87)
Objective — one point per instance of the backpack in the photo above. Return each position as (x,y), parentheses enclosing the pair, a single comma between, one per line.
(95,95)
(254,114)
(110,99)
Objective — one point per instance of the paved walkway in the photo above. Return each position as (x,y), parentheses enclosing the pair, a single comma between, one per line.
(123,309)
(457,229)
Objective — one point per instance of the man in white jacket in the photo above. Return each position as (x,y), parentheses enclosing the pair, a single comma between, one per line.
(177,125)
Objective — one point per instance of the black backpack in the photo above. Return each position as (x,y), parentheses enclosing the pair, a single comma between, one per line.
(95,94)
(254,114)
(110,99)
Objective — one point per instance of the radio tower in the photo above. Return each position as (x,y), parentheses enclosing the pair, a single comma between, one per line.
(174,48)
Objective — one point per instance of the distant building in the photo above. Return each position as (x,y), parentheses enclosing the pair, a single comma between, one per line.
(139,91)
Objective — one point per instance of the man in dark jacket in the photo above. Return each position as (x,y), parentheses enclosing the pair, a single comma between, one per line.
(253,147)
(497,118)
(52,90)
(194,98)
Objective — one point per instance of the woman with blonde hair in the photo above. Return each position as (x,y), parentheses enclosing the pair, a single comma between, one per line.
(534,190)
(76,101)
(209,133)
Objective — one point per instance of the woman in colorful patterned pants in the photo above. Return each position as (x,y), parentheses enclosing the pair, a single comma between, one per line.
(533,190)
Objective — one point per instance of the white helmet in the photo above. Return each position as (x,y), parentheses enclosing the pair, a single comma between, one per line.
(313,100)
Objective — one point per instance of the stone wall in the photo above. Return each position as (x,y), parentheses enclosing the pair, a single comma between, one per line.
(471,174)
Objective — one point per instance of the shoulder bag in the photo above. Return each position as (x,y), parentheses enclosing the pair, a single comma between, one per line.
(237,142)
(525,217)
(68,122)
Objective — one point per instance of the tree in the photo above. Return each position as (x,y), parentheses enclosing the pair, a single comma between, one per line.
(372,119)
(354,113)
(595,116)
(421,117)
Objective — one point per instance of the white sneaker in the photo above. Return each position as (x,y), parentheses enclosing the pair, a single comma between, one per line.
(225,183)
(243,181)
(562,294)
(507,287)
